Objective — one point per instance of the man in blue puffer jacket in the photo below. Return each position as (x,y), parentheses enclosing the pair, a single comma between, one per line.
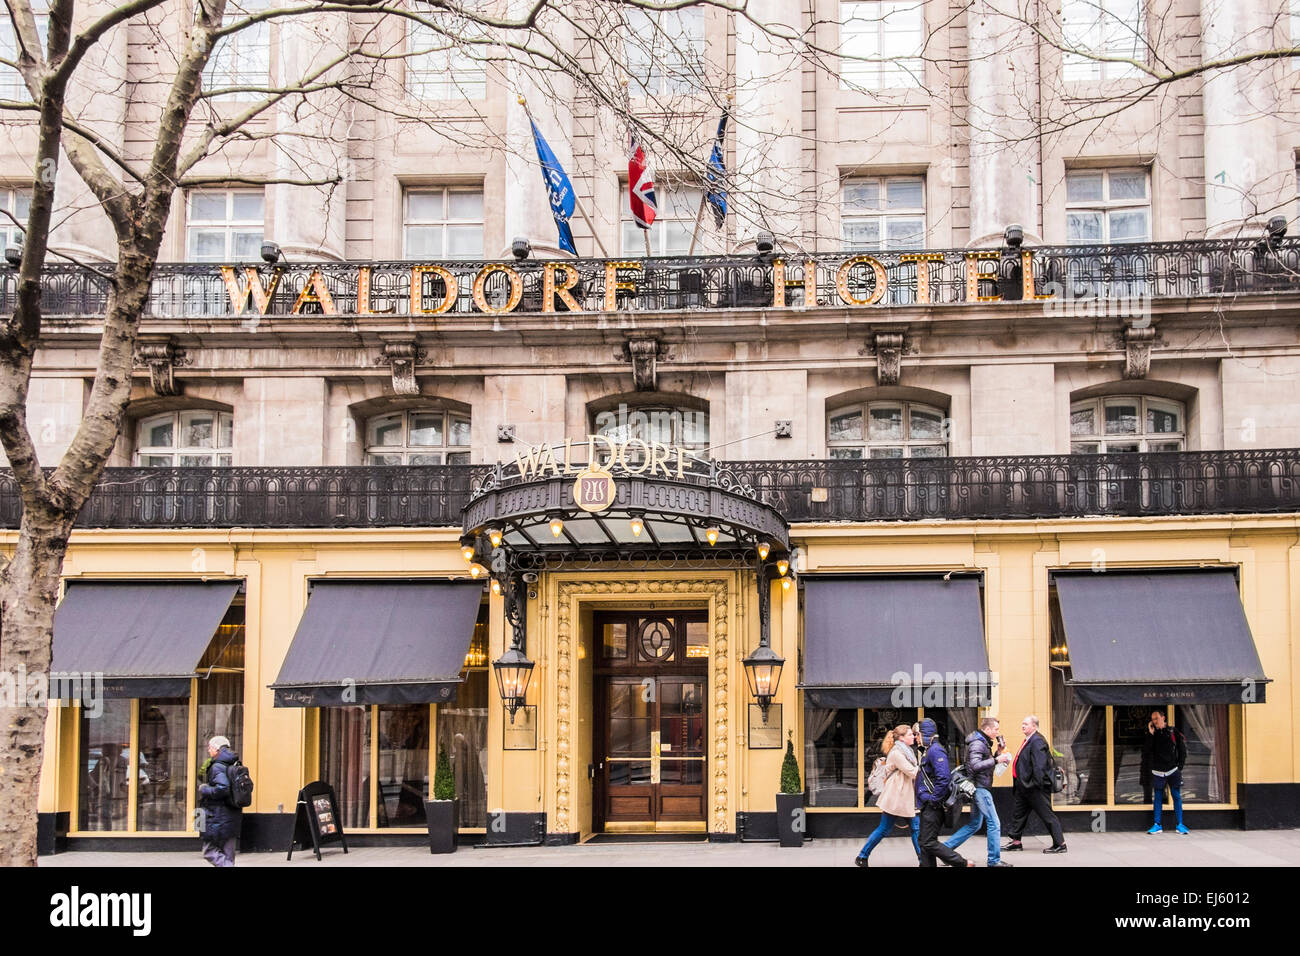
(220,817)
(932,785)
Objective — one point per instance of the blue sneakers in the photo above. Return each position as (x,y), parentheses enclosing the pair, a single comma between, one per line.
(1156,829)
(1183,830)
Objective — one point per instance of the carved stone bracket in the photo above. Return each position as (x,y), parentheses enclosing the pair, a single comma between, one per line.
(888,348)
(161,358)
(644,354)
(1137,351)
(403,356)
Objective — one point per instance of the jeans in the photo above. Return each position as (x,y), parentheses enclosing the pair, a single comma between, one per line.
(886,821)
(981,811)
(932,820)
(1159,799)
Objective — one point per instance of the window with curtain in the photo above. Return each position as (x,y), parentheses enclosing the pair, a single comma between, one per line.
(403,764)
(881,45)
(462,732)
(1100,31)
(1079,735)
(220,705)
(163,771)
(104,788)
(345,760)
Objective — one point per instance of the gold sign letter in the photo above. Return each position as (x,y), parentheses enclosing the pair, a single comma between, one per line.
(922,260)
(516,288)
(1027,275)
(417,290)
(315,290)
(613,286)
(550,289)
(842,281)
(252,286)
(973,275)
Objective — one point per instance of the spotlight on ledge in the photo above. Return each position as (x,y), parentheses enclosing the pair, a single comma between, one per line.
(764,242)
(1276,230)
(271,253)
(521,247)
(1014,236)
(14,256)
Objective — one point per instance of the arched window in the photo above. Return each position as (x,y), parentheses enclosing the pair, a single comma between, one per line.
(197,438)
(670,424)
(418,437)
(887,430)
(1120,423)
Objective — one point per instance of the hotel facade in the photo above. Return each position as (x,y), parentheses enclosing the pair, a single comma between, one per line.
(937,466)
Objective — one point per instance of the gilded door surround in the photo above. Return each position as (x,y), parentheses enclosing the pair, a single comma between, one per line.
(571,596)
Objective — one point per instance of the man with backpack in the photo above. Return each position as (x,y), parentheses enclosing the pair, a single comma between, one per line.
(981,761)
(1163,756)
(222,797)
(933,783)
(1032,786)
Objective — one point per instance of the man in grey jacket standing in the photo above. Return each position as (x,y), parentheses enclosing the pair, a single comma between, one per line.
(982,759)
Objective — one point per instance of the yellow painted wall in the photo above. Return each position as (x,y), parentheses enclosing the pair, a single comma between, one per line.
(1015,558)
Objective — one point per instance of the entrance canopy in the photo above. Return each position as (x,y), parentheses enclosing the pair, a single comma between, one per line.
(889,641)
(379,642)
(146,638)
(1138,637)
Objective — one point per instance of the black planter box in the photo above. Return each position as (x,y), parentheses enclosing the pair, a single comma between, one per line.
(790,819)
(443,818)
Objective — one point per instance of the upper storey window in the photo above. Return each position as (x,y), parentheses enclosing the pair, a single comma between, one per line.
(1109,35)
(881,44)
(17,203)
(883,213)
(224,225)
(1126,424)
(668,424)
(11,82)
(443,222)
(438,69)
(242,58)
(418,437)
(670,233)
(887,430)
(194,439)
(664,51)
(1107,205)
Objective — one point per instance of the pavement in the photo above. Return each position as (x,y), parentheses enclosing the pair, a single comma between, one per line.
(1203,848)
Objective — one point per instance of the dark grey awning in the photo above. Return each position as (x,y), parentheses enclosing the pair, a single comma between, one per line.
(894,642)
(379,642)
(145,638)
(1175,636)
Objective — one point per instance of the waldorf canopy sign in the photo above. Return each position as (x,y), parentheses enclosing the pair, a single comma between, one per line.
(586,285)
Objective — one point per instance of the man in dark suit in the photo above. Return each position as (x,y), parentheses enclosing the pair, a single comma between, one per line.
(1031,789)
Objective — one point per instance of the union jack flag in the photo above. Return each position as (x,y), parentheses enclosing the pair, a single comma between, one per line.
(640,185)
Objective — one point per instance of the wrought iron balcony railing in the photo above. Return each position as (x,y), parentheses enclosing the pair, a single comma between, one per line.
(1116,274)
(1032,487)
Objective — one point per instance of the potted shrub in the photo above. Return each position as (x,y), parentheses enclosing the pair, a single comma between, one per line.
(790,814)
(440,812)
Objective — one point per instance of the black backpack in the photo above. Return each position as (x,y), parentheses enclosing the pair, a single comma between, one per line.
(241,785)
(1055,775)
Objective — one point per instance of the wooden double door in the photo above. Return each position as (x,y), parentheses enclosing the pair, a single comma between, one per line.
(649,739)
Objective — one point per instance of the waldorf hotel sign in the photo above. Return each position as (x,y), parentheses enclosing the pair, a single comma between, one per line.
(586,285)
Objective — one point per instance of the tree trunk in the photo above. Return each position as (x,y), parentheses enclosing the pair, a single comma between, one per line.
(29,591)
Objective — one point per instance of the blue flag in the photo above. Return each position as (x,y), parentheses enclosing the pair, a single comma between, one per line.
(557,183)
(717,174)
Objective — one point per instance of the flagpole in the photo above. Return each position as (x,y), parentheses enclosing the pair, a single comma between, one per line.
(577,204)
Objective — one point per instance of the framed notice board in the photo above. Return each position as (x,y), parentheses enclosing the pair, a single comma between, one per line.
(522,733)
(765,734)
(317,822)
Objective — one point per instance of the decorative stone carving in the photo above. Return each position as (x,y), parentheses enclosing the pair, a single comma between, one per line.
(888,347)
(403,357)
(161,358)
(644,355)
(1137,351)
(719,661)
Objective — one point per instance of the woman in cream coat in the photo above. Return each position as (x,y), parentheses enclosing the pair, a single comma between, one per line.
(898,797)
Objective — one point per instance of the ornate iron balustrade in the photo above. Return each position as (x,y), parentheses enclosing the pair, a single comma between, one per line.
(1038,487)
(1116,274)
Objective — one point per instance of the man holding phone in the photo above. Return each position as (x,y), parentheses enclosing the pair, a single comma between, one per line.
(1163,756)
(983,757)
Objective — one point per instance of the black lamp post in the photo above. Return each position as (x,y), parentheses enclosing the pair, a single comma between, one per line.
(763,667)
